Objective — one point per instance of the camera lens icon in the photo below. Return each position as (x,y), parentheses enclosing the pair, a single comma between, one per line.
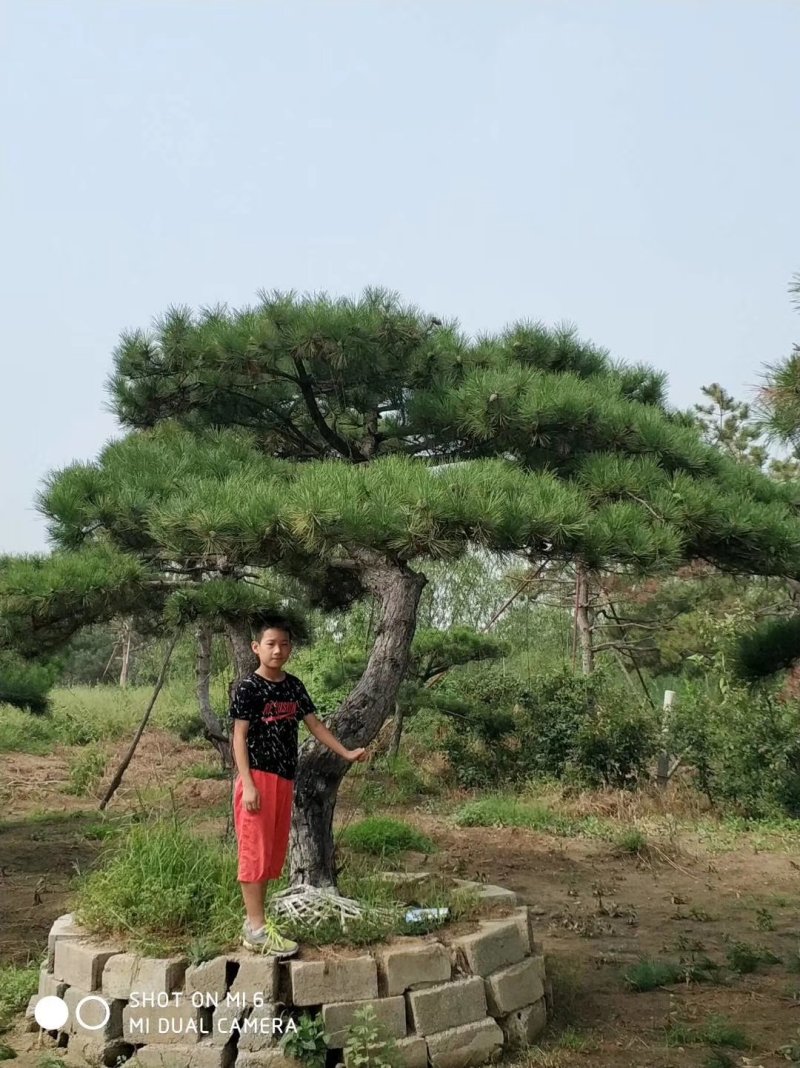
(92,1013)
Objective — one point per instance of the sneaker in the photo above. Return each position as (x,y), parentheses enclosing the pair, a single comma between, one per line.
(267,939)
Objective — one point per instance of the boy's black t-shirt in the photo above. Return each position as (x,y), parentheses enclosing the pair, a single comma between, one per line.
(273,709)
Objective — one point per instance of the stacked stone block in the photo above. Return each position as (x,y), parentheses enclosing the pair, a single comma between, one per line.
(447,1003)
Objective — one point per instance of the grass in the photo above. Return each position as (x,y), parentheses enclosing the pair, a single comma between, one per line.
(160,885)
(86,715)
(206,771)
(505,810)
(382,836)
(716,1031)
(394,781)
(575,1041)
(86,771)
(161,889)
(385,904)
(17,986)
(651,973)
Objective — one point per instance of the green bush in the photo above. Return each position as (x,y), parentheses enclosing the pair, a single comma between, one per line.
(25,684)
(559,725)
(744,745)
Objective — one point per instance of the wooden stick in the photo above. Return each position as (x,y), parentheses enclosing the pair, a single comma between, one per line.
(129,755)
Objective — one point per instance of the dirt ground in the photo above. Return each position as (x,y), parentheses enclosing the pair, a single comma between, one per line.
(599,909)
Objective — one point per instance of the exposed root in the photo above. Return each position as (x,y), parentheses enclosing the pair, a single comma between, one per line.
(312,905)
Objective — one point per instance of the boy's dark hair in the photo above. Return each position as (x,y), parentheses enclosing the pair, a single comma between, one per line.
(271,623)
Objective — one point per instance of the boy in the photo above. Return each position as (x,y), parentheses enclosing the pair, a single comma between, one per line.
(266,708)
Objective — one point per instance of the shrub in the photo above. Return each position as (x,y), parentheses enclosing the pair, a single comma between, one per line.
(744,745)
(25,684)
(559,725)
(745,958)
(382,836)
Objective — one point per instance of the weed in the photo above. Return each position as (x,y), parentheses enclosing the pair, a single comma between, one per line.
(202,949)
(86,771)
(382,836)
(7,1053)
(764,920)
(651,974)
(679,1034)
(745,958)
(309,1043)
(575,1041)
(632,841)
(17,987)
(368,1045)
(701,916)
(716,1031)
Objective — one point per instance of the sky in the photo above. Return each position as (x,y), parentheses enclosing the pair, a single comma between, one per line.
(629,167)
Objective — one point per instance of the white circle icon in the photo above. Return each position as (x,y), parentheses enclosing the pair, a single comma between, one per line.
(51,1013)
(92,1026)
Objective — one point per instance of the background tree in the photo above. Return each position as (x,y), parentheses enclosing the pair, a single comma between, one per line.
(728,424)
(776,645)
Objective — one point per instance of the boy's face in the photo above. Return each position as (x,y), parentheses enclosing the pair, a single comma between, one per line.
(273,648)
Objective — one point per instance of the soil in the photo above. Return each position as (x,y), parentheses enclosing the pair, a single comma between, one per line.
(599,910)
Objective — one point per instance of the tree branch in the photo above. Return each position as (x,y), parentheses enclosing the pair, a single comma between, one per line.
(336,441)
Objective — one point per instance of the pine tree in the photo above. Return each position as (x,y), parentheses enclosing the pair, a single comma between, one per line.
(776,645)
(341,444)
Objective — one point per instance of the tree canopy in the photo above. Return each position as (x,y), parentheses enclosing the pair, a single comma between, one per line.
(330,447)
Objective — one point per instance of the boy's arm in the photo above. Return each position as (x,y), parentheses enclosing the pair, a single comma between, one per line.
(250,795)
(322,734)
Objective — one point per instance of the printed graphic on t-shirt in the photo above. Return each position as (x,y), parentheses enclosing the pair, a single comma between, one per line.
(273,710)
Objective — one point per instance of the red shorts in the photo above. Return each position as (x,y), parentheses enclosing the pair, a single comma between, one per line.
(263,836)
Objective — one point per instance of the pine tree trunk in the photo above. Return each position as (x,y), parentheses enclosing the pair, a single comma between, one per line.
(214,732)
(357,721)
(583,621)
(244,659)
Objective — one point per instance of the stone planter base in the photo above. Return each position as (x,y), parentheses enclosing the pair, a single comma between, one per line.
(448,1001)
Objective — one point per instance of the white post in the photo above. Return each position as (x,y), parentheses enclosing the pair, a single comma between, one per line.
(662,769)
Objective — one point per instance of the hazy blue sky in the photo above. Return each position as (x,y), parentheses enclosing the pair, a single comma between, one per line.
(633,167)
